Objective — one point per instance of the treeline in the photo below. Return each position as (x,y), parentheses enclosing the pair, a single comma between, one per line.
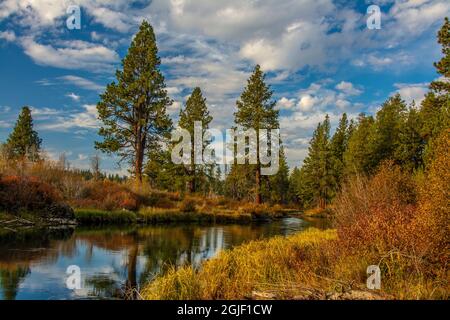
(136,127)
(403,134)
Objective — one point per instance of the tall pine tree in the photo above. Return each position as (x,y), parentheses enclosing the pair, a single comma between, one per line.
(195,110)
(133,110)
(255,110)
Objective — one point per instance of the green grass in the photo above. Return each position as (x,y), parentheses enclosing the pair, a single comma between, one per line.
(156,215)
(100,217)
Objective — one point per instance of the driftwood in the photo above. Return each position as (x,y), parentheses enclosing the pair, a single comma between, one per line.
(314,294)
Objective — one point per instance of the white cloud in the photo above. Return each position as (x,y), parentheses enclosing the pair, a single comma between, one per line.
(85,119)
(348,88)
(112,19)
(81,82)
(412,92)
(302,44)
(71,55)
(5,109)
(8,35)
(285,103)
(73,96)
(414,17)
(82,157)
(5,124)
(307,102)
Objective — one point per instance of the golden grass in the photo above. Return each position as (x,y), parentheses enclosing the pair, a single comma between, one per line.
(258,265)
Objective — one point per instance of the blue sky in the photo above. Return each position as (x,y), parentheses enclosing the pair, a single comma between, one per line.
(318,54)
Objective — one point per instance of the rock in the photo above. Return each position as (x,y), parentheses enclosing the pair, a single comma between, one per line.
(356,295)
(60,211)
(258,295)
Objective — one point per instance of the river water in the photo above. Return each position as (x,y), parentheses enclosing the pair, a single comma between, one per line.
(115,262)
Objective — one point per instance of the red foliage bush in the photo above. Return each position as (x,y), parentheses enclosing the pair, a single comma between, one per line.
(108,195)
(378,212)
(26,193)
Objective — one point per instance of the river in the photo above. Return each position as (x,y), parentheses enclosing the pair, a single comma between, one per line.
(115,262)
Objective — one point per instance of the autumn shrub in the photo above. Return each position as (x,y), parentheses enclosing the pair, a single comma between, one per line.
(26,194)
(107,195)
(384,221)
(160,199)
(376,212)
(434,201)
(188,205)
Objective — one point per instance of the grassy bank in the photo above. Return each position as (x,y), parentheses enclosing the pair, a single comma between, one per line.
(267,265)
(156,215)
(159,215)
(100,217)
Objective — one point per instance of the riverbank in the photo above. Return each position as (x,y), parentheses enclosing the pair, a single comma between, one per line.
(13,222)
(145,216)
(282,268)
(152,215)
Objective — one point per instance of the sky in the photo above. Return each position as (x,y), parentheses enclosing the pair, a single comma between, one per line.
(319,57)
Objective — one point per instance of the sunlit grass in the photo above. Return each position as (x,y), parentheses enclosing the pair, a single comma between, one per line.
(258,265)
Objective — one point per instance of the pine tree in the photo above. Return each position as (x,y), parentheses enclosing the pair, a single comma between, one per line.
(195,110)
(278,184)
(318,166)
(409,152)
(384,137)
(24,142)
(294,185)
(443,66)
(256,110)
(357,155)
(133,110)
(240,182)
(338,145)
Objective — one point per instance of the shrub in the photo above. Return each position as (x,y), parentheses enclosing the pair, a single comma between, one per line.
(107,195)
(377,212)
(434,201)
(188,205)
(379,222)
(26,194)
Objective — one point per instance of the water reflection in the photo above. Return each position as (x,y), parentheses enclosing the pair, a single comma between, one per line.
(115,262)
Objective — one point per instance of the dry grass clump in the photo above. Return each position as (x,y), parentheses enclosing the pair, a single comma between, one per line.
(257,265)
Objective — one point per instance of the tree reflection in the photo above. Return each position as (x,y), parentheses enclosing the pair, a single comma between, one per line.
(10,280)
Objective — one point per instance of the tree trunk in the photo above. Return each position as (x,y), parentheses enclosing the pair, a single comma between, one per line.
(258,185)
(139,159)
(138,169)
(258,199)
(192,185)
(192,169)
